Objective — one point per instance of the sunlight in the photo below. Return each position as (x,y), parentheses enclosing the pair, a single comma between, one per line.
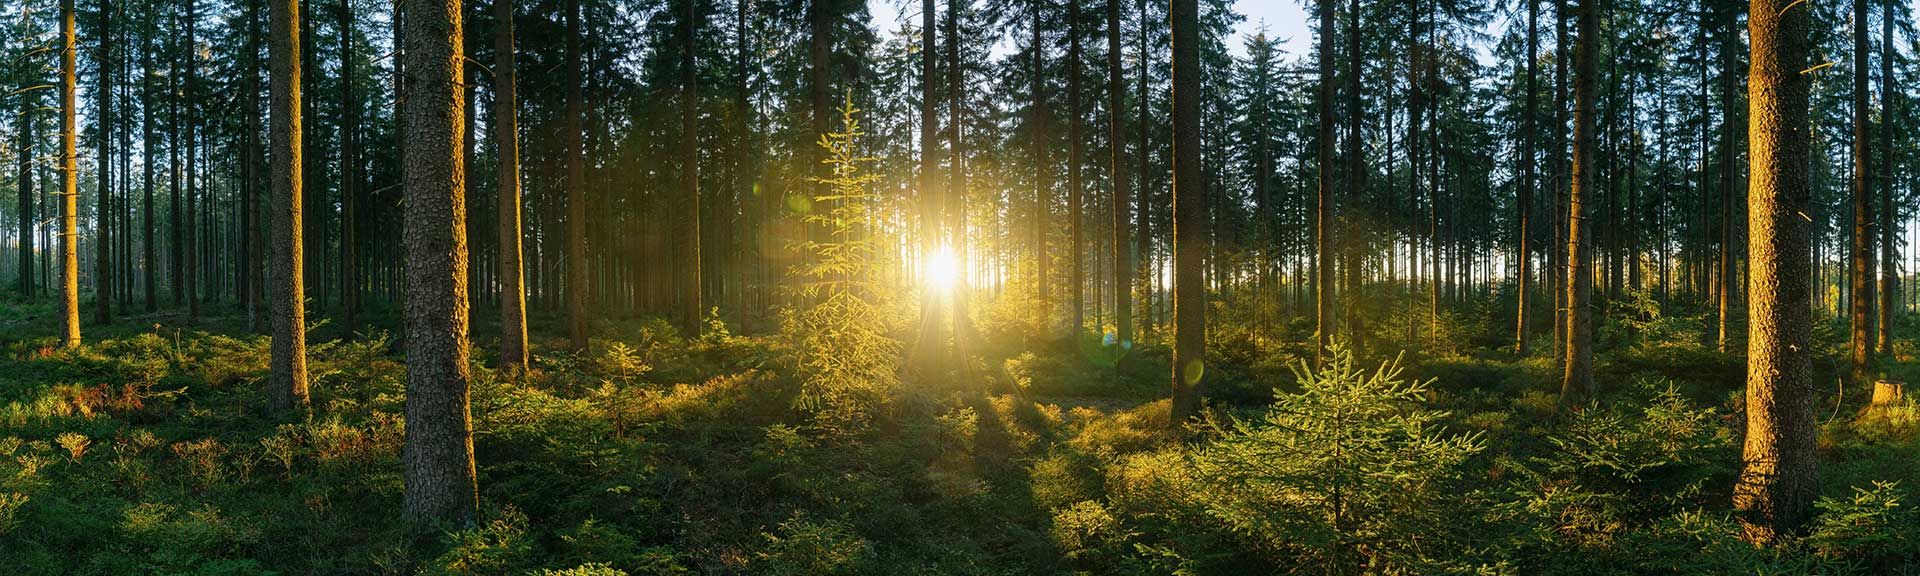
(942,270)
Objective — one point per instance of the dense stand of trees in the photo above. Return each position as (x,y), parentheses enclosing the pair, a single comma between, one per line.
(1407,173)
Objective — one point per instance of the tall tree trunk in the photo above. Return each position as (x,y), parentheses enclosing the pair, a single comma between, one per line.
(694,312)
(29,101)
(1043,163)
(1861,300)
(1189,215)
(192,245)
(1143,222)
(1323,194)
(148,144)
(1355,250)
(1577,383)
(69,187)
(1724,295)
(1523,272)
(1777,485)
(1889,252)
(1557,254)
(1122,242)
(102,217)
(287,389)
(1076,317)
(506,138)
(576,183)
(349,173)
(439,471)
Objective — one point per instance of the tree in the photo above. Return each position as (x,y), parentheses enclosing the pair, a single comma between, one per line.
(1889,251)
(1775,493)
(69,187)
(576,257)
(349,171)
(1576,384)
(191,247)
(1116,142)
(103,130)
(1075,204)
(439,472)
(29,101)
(1860,300)
(1523,273)
(1190,230)
(506,137)
(287,386)
(1323,196)
(693,314)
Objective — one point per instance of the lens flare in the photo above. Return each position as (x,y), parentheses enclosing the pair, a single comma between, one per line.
(942,271)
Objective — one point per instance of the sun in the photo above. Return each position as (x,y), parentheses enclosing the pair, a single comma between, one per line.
(942,270)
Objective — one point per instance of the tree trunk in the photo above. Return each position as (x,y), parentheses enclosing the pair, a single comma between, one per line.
(1189,215)
(694,312)
(1777,485)
(1043,165)
(1861,277)
(103,231)
(576,256)
(1889,250)
(1355,249)
(1122,242)
(69,187)
(1576,385)
(513,299)
(287,389)
(1143,222)
(439,471)
(1323,194)
(192,244)
(1523,272)
(29,101)
(349,174)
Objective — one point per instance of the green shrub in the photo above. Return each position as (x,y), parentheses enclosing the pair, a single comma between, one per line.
(1875,524)
(1351,471)
(803,546)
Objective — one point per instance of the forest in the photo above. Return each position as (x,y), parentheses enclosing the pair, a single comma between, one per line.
(969,287)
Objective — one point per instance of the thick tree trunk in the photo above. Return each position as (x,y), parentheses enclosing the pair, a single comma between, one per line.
(1777,485)
(287,386)
(69,186)
(29,101)
(506,138)
(1576,385)
(1190,231)
(439,471)
(1143,222)
(1355,250)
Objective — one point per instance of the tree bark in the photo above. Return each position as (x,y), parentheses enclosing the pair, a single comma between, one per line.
(69,187)
(1122,201)
(1777,485)
(506,137)
(1576,385)
(439,470)
(1523,272)
(1861,277)
(1076,317)
(1889,249)
(29,101)
(103,230)
(287,386)
(576,183)
(1323,194)
(1189,216)
(349,174)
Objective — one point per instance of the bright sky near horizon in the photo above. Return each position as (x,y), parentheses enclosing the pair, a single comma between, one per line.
(1285,19)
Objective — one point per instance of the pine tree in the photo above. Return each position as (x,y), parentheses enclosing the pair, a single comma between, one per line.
(287,386)
(69,186)
(438,457)
(1190,225)
(1577,383)
(506,139)
(1777,485)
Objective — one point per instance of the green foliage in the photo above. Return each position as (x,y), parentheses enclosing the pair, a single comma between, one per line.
(846,359)
(803,546)
(1349,472)
(1875,524)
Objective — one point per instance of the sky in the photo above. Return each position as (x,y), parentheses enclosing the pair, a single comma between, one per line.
(1283,19)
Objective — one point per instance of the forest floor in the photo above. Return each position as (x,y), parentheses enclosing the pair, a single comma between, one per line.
(145,452)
